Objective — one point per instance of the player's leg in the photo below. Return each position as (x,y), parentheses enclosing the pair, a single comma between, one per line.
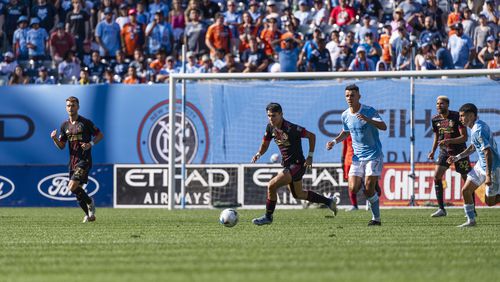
(78,178)
(352,196)
(282,179)
(373,170)
(474,179)
(313,197)
(492,195)
(74,187)
(463,167)
(439,171)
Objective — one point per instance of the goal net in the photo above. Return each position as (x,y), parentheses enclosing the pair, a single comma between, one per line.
(227,114)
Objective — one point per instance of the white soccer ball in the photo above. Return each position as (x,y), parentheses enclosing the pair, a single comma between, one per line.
(228,217)
(275,158)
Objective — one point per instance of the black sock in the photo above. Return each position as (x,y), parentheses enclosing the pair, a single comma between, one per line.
(82,204)
(81,194)
(438,186)
(270,206)
(317,198)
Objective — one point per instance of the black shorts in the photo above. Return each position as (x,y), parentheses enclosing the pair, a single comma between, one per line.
(80,174)
(296,170)
(462,166)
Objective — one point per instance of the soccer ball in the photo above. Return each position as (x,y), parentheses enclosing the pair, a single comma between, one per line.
(275,158)
(228,217)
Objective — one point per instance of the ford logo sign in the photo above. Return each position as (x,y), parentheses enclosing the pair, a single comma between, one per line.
(6,187)
(56,187)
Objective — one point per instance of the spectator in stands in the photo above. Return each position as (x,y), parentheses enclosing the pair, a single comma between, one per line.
(373,49)
(429,32)
(37,40)
(84,77)
(218,36)
(231,65)
(60,42)
(20,39)
(159,34)
(254,12)
(482,32)
(206,64)
(43,77)
(461,48)
(345,58)
(78,24)
(119,64)
(424,60)
(342,14)
(495,63)
(487,54)
(288,57)
(177,20)
(132,77)
(246,30)
(254,59)
(270,34)
(14,11)
(219,60)
(167,69)
(399,41)
(109,76)
(69,69)
(159,62)
(47,14)
(469,23)
(158,6)
(123,17)
(303,14)
(443,59)
(8,65)
(320,14)
(364,29)
(18,77)
(195,33)
(384,43)
(191,65)
(361,62)
(432,10)
(287,19)
(411,10)
(96,67)
(309,47)
(272,11)
(403,62)
(142,15)
(232,18)
(139,63)
(492,15)
(333,46)
(107,35)
(133,35)
(373,8)
(209,8)
(320,60)
(455,16)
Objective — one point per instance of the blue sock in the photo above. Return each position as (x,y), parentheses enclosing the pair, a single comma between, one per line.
(375,207)
(469,212)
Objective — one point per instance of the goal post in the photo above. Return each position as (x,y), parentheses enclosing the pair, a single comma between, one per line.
(310,78)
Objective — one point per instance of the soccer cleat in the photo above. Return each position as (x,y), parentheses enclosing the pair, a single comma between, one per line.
(439,213)
(333,205)
(352,208)
(468,224)
(374,223)
(85,219)
(263,220)
(91,207)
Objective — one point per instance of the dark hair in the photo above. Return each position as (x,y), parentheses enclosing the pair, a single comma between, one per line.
(468,108)
(274,108)
(73,99)
(352,87)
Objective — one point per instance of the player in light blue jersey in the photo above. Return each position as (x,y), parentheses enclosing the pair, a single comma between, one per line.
(486,170)
(363,122)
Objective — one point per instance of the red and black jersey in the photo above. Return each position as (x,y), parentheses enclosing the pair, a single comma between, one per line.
(288,140)
(447,128)
(76,134)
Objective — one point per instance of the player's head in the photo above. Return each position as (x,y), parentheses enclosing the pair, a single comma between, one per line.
(352,95)
(442,104)
(274,113)
(468,114)
(72,105)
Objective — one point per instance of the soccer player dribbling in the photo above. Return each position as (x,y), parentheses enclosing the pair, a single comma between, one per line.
(486,170)
(288,138)
(362,123)
(450,134)
(78,131)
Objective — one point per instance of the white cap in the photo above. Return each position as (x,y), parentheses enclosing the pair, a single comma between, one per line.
(360,49)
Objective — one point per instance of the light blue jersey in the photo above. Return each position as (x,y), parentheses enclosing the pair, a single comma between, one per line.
(109,33)
(365,140)
(482,138)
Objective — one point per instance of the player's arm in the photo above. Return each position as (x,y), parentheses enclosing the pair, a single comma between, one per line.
(262,150)
(458,140)
(312,145)
(488,155)
(434,147)
(467,152)
(98,137)
(342,135)
(60,144)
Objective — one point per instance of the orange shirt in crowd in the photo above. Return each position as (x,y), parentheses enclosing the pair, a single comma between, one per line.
(157,65)
(386,47)
(267,37)
(453,18)
(131,37)
(131,80)
(219,36)
(244,45)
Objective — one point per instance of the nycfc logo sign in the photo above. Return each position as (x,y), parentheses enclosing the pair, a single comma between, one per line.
(153,137)
(6,187)
(55,187)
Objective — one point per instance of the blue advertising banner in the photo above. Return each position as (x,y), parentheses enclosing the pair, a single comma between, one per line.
(225,120)
(47,186)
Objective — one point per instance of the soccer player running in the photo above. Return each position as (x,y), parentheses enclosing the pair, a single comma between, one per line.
(79,132)
(363,122)
(486,170)
(288,138)
(450,134)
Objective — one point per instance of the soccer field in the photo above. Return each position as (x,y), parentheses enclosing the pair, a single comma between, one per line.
(50,244)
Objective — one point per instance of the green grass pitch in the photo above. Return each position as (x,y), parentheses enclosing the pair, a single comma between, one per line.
(51,244)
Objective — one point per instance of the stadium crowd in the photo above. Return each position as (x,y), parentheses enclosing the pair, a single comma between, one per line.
(136,41)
